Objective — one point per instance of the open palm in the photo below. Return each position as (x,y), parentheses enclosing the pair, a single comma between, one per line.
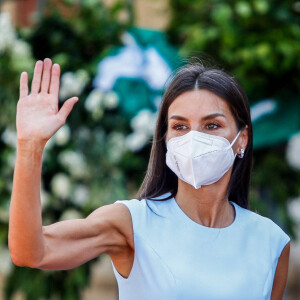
(38,117)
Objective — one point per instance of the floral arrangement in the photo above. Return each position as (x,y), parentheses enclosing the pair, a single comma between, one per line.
(88,162)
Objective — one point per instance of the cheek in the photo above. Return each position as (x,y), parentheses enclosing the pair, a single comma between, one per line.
(170,134)
(235,149)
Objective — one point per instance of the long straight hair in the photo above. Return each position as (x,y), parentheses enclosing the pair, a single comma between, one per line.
(159,179)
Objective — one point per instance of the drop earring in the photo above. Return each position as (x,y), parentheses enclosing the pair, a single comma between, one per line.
(242,153)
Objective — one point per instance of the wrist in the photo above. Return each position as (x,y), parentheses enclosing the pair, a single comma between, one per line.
(31,145)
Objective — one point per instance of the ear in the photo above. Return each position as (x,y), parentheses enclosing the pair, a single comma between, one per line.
(243,139)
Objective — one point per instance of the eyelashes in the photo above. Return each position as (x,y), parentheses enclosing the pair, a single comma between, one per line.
(216,125)
(179,127)
(209,126)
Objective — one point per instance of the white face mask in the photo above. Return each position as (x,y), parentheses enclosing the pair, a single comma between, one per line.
(199,158)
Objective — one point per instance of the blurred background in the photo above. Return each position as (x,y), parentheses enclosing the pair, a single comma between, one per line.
(117,56)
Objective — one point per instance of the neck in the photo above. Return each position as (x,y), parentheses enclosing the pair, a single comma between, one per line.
(209,205)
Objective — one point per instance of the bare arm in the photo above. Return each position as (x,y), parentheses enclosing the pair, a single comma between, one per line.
(25,221)
(281,274)
(62,245)
(66,244)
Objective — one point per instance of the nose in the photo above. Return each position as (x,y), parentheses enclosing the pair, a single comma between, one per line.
(195,126)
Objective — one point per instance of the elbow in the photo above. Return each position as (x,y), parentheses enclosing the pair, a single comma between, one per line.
(17,260)
(20,261)
(23,257)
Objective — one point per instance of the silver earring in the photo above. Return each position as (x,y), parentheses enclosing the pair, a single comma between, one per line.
(242,153)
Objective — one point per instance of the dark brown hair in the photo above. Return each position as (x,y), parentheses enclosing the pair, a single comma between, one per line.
(159,179)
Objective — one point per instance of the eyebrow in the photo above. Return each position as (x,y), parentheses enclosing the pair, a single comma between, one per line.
(208,117)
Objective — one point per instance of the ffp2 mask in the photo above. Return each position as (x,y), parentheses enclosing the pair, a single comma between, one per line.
(199,158)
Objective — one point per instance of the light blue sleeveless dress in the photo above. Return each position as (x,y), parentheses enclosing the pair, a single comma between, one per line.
(179,259)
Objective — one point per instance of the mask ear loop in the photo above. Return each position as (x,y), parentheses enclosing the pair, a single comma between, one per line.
(230,146)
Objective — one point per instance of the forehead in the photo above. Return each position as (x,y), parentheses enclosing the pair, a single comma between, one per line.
(198,104)
(201,102)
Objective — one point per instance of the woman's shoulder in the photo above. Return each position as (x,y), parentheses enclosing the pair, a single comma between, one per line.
(256,217)
(146,203)
(145,212)
(263,227)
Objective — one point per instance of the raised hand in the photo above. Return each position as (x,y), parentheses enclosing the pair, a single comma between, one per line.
(38,117)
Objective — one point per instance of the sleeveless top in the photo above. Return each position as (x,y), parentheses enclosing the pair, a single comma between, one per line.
(178,259)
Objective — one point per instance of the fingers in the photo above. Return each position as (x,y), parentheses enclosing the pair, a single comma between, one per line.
(66,109)
(54,85)
(36,81)
(23,85)
(46,75)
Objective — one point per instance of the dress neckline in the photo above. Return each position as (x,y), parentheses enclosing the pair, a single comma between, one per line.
(182,215)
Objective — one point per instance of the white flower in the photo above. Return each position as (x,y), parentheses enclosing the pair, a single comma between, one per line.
(116,144)
(123,16)
(50,143)
(68,86)
(45,199)
(71,214)
(144,121)
(293,209)
(21,56)
(293,150)
(136,141)
(20,49)
(296,6)
(81,195)
(243,9)
(74,162)
(72,84)
(5,261)
(97,114)
(7,32)
(9,137)
(47,150)
(62,136)
(82,76)
(143,125)
(94,100)
(111,100)
(61,186)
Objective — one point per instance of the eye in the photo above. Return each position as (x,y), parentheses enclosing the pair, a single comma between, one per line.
(179,127)
(212,126)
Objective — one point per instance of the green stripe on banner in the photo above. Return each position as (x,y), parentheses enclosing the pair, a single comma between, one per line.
(277,127)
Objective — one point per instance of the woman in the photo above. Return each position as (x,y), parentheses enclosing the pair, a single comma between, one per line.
(190,234)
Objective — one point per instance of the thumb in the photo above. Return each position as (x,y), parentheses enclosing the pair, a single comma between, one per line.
(66,108)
